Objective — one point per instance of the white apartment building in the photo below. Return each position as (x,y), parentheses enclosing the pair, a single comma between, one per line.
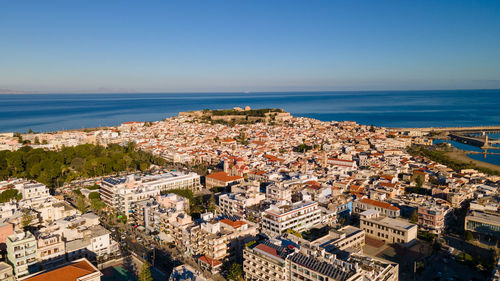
(300,216)
(173,180)
(387,229)
(21,253)
(122,193)
(236,203)
(33,190)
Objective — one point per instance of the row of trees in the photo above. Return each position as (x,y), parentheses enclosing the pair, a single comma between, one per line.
(441,157)
(53,168)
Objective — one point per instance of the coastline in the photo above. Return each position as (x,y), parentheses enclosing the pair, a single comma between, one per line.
(462,157)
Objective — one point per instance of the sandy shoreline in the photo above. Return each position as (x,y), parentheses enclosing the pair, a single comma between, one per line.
(462,156)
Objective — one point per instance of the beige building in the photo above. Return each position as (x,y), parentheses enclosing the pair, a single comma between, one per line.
(219,240)
(221,179)
(51,250)
(387,229)
(6,273)
(275,261)
(347,237)
(236,203)
(265,261)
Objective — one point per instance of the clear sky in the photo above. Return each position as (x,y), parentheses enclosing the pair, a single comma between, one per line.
(268,45)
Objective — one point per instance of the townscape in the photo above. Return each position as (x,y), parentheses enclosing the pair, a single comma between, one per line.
(244,194)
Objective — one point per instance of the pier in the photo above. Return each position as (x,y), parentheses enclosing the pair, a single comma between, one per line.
(470,130)
(482,142)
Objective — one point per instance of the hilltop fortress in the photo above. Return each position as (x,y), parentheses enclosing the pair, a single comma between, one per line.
(238,114)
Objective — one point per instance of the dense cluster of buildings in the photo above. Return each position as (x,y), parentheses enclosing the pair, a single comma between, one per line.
(273,183)
(59,233)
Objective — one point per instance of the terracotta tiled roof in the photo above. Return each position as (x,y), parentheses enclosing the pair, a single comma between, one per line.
(380,204)
(268,250)
(233,224)
(70,272)
(223,176)
(210,261)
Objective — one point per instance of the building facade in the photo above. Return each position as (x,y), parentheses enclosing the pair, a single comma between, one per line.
(22,253)
(299,216)
(388,229)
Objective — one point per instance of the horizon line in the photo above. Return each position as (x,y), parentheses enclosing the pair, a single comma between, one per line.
(14,92)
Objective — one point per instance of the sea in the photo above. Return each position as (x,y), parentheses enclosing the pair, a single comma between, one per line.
(52,112)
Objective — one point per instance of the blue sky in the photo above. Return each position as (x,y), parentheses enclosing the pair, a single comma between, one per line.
(185,46)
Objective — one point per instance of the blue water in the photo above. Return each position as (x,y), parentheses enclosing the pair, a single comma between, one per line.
(49,112)
(490,158)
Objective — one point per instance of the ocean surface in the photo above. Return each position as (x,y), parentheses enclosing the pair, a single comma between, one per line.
(50,112)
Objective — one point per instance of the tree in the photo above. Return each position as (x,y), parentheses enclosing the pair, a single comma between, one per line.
(97,205)
(211,204)
(419,181)
(94,195)
(372,128)
(235,272)
(26,218)
(9,194)
(81,205)
(468,236)
(145,274)
(414,217)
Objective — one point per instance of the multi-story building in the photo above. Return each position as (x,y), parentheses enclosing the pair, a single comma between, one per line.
(51,250)
(33,190)
(384,208)
(122,193)
(144,212)
(278,192)
(6,273)
(236,203)
(306,267)
(173,180)
(274,261)
(347,237)
(266,261)
(218,240)
(298,216)
(21,253)
(387,229)
(432,215)
(221,179)
(487,223)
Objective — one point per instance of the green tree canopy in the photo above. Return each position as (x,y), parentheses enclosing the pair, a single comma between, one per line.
(81,205)
(235,272)
(94,195)
(145,274)
(87,160)
(414,217)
